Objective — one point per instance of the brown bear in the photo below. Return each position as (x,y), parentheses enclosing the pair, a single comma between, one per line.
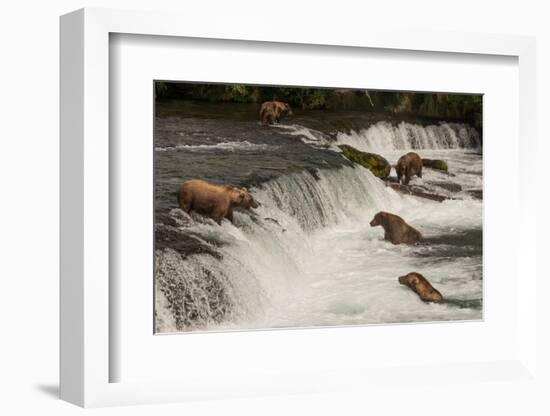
(272,111)
(214,201)
(408,165)
(396,229)
(420,285)
(344,99)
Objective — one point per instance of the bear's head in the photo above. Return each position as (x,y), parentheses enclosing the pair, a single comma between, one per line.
(287,109)
(379,219)
(282,108)
(245,199)
(411,279)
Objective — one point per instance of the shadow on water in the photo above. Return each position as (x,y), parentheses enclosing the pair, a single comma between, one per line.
(447,248)
(465,303)
(466,243)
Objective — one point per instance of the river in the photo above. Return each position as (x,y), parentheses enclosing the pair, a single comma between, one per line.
(307,256)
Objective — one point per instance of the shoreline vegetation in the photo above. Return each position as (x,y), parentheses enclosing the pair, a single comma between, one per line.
(464,107)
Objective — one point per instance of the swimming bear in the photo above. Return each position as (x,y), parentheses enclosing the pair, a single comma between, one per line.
(214,201)
(408,165)
(396,229)
(420,285)
(272,111)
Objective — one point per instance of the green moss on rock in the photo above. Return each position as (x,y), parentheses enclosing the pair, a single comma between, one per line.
(379,166)
(435,164)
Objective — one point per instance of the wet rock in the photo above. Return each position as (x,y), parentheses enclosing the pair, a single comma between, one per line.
(172,231)
(436,164)
(417,191)
(378,165)
(448,186)
(315,173)
(185,244)
(476,193)
(195,296)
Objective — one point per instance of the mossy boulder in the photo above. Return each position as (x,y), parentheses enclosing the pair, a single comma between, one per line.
(379,166)
(435,164)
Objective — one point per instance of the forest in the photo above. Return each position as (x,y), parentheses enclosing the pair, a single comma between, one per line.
(464,107)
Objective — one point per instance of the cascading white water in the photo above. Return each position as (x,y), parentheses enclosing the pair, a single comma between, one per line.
(307,257)
(242,146)
(264,250)
(384,136)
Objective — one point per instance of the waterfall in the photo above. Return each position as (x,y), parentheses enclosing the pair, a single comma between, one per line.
(308,256)
(384,136)
(245,267)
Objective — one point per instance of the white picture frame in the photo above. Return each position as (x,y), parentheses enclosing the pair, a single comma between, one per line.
(86,356)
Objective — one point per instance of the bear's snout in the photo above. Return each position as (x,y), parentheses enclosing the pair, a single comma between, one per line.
(402,280)
(254,204)
(373,223)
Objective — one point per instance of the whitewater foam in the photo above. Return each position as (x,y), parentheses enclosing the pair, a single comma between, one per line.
(384,136)
(319,262)
(306,134)
(230,146)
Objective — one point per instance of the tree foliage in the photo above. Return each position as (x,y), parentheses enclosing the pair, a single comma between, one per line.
(467,107)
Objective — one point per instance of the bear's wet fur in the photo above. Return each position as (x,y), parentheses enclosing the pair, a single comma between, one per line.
(420,285)
(272,111)
(396,230)
(407,166)
(214,201)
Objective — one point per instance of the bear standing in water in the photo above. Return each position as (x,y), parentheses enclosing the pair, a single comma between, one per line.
(408,165)
(420,285)
(214,201)
(272,111)
(396,229)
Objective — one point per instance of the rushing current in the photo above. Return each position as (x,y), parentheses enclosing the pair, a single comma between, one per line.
(308,256)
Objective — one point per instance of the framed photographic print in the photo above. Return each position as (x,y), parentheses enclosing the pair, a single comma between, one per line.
(255,215)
